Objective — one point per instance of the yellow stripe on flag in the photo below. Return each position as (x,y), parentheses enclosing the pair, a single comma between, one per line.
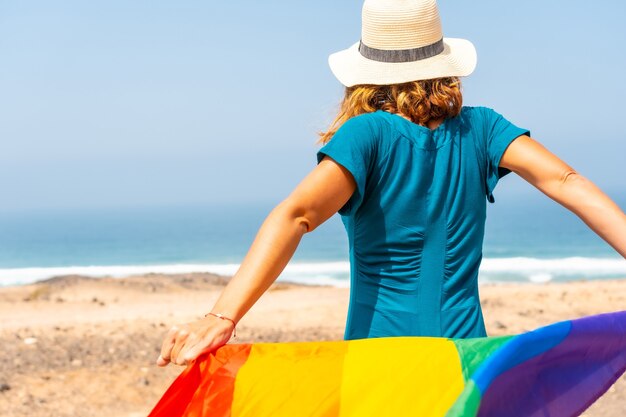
(400,376)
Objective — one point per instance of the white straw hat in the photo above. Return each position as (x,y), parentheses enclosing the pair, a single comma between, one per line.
(401,41)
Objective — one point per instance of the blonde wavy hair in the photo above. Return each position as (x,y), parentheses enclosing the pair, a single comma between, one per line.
(420,101)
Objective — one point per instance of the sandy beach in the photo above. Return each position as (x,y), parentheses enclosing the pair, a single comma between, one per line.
(75,346)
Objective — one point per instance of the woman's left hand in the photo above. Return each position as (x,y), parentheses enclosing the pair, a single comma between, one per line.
(186,342)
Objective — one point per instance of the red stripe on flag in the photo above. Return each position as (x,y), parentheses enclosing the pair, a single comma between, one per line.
(205,387)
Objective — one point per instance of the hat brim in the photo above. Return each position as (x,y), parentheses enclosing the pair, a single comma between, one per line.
(458,59)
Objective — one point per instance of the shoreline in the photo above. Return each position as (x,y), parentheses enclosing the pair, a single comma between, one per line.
(518,269)
(76,346)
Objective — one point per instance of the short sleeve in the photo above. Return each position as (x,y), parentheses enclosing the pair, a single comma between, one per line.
(352,147)
(499,134)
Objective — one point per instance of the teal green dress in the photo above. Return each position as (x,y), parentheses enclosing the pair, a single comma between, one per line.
(416,220)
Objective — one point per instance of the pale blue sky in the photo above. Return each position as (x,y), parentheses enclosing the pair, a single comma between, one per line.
(125,103)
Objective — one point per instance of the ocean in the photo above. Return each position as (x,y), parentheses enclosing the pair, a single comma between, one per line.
(526,240)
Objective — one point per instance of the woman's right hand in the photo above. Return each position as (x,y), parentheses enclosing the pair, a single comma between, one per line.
(321,194)
(186,342)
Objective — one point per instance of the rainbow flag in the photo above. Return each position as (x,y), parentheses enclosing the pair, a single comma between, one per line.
(557,370)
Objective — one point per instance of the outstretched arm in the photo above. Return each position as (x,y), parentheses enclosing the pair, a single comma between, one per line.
(559,181)
(321,194)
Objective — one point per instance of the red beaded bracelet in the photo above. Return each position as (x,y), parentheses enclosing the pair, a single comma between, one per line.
(223,317)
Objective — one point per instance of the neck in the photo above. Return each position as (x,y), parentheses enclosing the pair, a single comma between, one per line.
(432,123)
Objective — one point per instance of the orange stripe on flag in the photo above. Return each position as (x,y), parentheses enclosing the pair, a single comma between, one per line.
(290,379)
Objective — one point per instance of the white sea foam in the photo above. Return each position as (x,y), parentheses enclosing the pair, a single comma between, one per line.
(559,266)
(325,273)
(520,269)
(540,277)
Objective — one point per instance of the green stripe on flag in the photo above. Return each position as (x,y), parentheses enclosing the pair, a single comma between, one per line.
(467,403)
(474,351)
